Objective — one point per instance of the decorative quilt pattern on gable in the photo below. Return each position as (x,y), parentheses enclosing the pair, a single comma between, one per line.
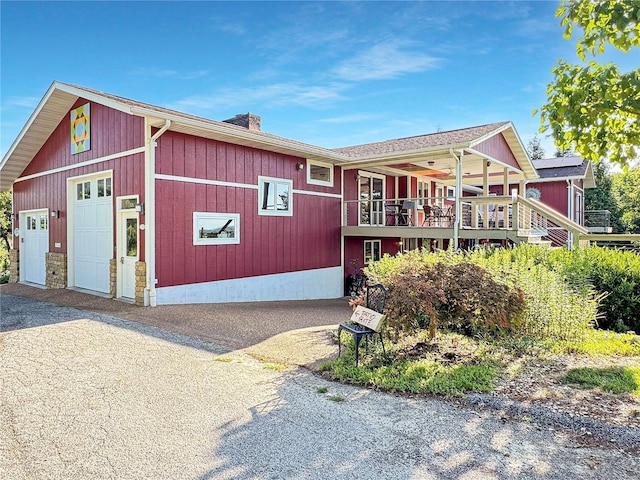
(80,130)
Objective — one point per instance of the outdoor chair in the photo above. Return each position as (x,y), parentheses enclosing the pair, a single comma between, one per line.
(375,300)
(428,214)
(408,207)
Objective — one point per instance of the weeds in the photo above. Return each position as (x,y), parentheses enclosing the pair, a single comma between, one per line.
(614,380)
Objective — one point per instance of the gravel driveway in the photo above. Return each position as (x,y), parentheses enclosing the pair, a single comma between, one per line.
(87,395)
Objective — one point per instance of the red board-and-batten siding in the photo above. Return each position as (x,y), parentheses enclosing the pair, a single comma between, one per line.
(498,148)
(112,132)
(310,239)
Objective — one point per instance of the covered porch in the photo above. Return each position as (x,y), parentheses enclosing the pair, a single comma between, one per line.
(463,184)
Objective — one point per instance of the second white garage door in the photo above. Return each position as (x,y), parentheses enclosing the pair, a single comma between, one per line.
(93,233)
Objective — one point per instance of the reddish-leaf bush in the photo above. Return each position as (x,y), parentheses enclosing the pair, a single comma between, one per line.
(461,297)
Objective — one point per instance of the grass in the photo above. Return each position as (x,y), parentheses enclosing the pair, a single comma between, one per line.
(614,380)
(321,390)
(274,366)
(600,342)
(418,375)
(454,365)
(223,359)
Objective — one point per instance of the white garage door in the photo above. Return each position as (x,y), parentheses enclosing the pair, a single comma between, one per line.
(93,233)
(35,244)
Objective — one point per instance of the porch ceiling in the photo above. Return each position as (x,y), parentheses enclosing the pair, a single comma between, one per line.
(441,165)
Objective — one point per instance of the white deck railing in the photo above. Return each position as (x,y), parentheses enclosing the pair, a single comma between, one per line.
(532,219)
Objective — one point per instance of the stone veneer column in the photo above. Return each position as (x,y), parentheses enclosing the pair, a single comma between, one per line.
(113,277)
(56,270)
(141,282)
(14,266)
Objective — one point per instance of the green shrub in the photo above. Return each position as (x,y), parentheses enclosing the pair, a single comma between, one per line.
(615,274)
(554,309)
(445,287)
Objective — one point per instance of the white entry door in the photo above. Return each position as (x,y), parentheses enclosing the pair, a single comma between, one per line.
(35,245)
(93,233)
(128,246)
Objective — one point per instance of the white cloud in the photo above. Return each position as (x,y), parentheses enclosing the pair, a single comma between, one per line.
(170,73)
(385,61)
(26,102)
(279,94)
(231,27)
(350,118)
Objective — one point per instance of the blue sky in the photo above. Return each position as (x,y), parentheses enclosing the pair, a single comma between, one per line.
(331,74)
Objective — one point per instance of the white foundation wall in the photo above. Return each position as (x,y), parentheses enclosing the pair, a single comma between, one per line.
(306,285)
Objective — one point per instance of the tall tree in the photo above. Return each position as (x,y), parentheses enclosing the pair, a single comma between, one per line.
(5,219)
(534,149)
(594,109)
(563,152)
(626,187)
(602,198)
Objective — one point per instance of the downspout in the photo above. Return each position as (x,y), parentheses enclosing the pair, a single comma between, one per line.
(456,222)
(150,212)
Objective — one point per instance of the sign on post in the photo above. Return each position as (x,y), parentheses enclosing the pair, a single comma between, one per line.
(367,317)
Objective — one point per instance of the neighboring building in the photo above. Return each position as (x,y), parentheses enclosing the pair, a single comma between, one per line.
(138,202)
(562,183)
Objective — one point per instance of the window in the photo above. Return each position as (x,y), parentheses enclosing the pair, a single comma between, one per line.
(275,196)
(104,187)
(319,173)
(424,192)
(128,203)
(439,195)
(216,228)
(451,193)
(44,222)
(83,190)
(371,251)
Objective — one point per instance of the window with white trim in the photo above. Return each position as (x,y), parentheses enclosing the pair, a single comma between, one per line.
(319,173)
(216,228)
(424,192)
(275,196)
(372,249)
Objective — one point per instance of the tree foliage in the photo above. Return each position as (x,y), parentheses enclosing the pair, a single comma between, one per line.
(602,196)
(626,188)
(534,149)
(5,219)
(594,109)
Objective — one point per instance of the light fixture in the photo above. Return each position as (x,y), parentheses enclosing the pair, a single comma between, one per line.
(55,213)
(431,163)
(356,177)
(140,208)
(299,166)
(488,163)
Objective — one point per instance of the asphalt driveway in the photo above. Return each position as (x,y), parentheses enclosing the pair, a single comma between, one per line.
(85,394)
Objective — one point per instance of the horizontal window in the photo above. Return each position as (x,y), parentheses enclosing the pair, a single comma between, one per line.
(319,173)
(216,228)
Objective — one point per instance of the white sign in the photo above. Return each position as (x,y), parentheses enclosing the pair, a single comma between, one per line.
(367,317)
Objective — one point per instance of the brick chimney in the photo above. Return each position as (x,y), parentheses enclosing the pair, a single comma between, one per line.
(246,120)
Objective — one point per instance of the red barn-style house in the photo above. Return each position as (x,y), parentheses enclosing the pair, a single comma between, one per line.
(155,206)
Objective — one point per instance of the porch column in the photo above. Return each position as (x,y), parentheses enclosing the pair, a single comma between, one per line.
(505,184)
(458,213)
(485,193)
(505,191)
